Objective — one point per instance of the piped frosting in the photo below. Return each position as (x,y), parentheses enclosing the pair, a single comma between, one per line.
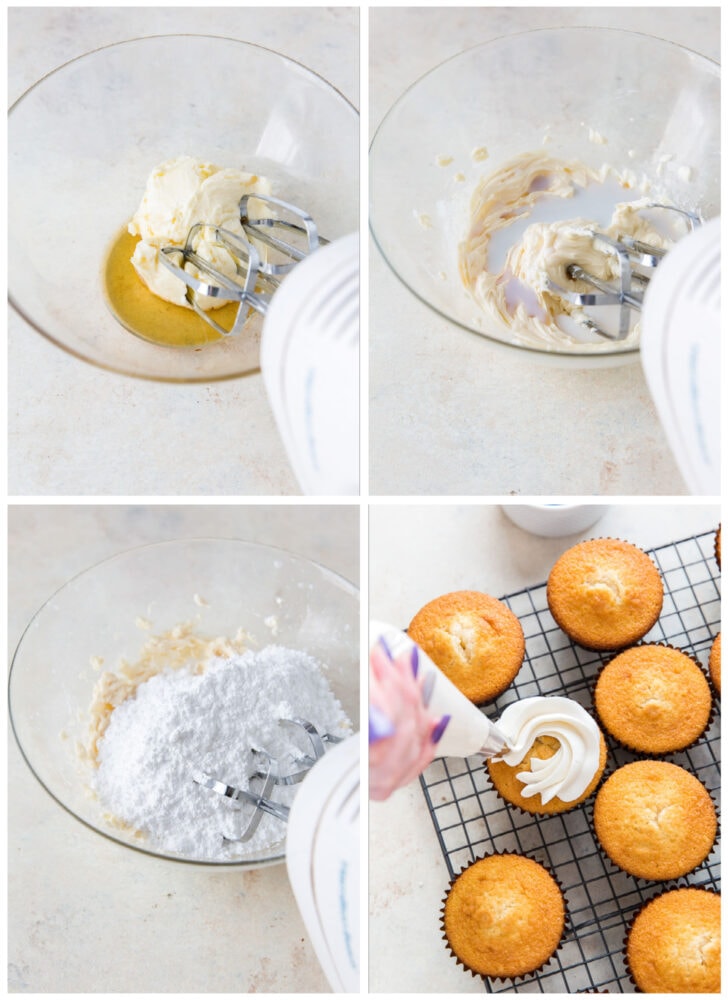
(568,772)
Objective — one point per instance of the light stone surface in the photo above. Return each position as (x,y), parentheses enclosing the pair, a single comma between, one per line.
(76,430)
(86,915)
(454,414)
(418,552)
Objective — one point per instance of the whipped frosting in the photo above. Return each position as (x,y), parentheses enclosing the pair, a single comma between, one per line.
(572,767)
(519,294)
(180,193)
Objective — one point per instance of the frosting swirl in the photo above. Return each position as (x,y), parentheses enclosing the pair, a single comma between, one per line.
(572,767)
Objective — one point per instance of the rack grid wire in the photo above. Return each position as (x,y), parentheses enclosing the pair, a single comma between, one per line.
(471,819)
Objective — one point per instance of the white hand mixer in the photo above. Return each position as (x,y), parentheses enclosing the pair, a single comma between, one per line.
(680,336)
(310,341)
(322,835)
(680,348)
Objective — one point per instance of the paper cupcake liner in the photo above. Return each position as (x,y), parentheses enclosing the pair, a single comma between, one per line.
(713,687)
(650,754)
(610,649)
(522,977)
(559,812)
(680,883)
(613,868)
(716,546)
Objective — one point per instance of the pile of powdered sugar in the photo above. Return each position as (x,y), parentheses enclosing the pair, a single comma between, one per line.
(209,720)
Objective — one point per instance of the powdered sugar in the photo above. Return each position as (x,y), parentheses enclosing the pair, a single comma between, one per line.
(209,720)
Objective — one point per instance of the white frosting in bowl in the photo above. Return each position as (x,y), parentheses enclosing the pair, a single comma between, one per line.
(568,772)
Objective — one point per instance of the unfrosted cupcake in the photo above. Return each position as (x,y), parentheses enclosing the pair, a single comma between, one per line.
(474,639)
(503,916)
(556,756)
(714,663)
(716,546)
(673,945)
(604,593)
(653,699)
(655,820)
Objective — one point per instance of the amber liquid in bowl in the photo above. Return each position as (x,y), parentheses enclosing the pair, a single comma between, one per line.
(145,314)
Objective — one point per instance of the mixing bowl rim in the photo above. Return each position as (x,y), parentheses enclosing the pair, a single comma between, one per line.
(119,369)
(182,35)
(578,357)
(347,586)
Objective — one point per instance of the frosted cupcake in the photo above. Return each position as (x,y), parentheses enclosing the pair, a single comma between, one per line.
(555,758)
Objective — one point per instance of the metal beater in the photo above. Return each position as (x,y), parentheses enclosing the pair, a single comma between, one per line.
(265,773)
(256,279)
(635,261)
(309,349)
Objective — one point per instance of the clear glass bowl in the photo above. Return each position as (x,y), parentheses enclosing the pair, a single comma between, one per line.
(656,104)
(96,613)
(82,141)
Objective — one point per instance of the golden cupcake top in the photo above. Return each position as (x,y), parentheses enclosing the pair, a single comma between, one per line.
(504,916)
(474,639)
(653,699)
(714,663)
(604,593)
(655,820)
(674,943)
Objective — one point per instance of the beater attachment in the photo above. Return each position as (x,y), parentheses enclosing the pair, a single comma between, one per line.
(258,273)
(265,772)
(633,263)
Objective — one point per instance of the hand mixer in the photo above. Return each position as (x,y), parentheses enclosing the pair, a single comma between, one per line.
(310,340)
(632,262)
(256,278)
(680,345)
(322,841)
(264,772)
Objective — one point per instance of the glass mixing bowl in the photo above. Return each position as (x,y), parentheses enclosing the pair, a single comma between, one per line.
(95,615)
(82,141)
(656,104)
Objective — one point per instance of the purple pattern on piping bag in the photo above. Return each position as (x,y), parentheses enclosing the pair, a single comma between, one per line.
(437,732)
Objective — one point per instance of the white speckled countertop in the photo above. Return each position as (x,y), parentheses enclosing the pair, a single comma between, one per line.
(76,430)
(89,916)
(453,414)
(416,553)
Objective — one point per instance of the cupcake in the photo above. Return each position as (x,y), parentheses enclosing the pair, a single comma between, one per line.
(604,593)
(555,758)
(653,699)
(654,820)
(714,663)
(474,639)
(673,945)
(503,916)
(716,546)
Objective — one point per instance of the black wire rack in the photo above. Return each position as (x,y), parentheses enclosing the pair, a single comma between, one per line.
(471,819)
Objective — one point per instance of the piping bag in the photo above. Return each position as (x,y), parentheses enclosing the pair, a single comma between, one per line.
(469,731)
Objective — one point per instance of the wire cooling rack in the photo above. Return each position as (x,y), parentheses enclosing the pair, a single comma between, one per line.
(472,820)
